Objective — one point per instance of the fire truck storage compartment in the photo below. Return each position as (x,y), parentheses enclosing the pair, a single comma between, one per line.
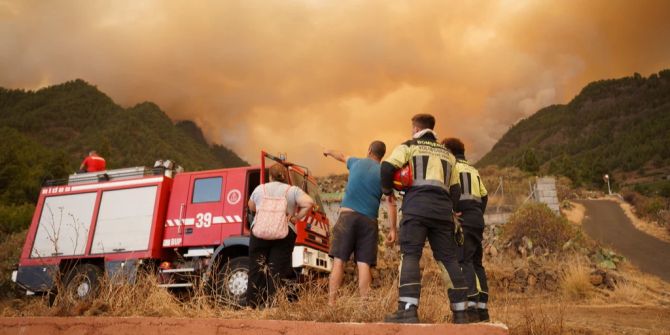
(64,225)
(116,174)
(124,220)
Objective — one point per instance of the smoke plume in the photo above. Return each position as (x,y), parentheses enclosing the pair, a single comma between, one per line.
(296,76)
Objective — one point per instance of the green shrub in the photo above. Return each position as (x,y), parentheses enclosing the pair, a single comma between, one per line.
(15,218)
(652,206)
(539,223)
(10,248)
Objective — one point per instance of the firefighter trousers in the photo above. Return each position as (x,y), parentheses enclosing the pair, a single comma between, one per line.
(473,270)
(440,233)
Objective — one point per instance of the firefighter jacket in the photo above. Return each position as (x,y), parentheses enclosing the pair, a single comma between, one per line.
(473,198)
(434,186)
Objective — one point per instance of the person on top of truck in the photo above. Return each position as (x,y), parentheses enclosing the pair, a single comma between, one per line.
(270,262)
(356,229)
(93,163)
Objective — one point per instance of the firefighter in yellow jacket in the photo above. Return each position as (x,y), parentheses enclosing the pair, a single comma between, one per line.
(471,207)
(426,213)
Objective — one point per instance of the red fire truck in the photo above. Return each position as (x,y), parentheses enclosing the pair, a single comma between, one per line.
(191,226)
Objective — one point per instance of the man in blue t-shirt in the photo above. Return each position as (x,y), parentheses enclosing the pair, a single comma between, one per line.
(356,230)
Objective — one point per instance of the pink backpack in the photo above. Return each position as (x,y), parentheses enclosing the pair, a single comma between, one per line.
(271,222)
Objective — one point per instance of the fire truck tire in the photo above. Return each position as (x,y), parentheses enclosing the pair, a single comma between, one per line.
(231,281)
(83,283)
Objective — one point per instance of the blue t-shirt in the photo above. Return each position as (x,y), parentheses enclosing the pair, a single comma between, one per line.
(363,187)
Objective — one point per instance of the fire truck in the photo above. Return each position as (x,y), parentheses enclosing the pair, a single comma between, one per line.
(192,227)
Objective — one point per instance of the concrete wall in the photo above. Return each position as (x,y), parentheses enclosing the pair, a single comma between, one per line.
(181,326)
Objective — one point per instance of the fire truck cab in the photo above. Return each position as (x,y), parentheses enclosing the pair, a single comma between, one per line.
(192,227)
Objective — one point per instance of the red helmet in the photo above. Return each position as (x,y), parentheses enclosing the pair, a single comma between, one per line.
(402,179)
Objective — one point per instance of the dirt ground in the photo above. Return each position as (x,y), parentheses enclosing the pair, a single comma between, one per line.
(590,319)
(575,214)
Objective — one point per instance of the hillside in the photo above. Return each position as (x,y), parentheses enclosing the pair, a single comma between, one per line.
(45,134)
(616,126)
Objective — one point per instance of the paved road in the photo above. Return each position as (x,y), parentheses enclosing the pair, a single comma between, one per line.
(606,222)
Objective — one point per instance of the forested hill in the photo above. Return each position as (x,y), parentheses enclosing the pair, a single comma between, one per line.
(617,125)
(46,134)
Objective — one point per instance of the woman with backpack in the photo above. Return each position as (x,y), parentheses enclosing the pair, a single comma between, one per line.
(278,206)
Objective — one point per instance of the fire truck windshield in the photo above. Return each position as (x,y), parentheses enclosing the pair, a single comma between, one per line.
(298,179)
(313,191)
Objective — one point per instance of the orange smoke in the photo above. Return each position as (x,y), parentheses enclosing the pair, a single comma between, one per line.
(295,76)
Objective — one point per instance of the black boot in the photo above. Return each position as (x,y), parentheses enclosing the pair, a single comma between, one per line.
(473,315)
(404,314)
(483,314)
(459,317)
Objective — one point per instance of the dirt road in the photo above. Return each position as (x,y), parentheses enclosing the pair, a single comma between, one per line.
(606,222)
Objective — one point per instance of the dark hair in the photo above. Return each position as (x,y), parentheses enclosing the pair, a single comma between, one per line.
(278,173)
(378,148)
(454,145)
(424,121)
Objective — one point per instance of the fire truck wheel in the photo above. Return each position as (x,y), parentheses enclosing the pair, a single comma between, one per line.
(232,281)
(84,282)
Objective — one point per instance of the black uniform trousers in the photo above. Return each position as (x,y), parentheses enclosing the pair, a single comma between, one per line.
(270,265)
(440,233)
(473,270)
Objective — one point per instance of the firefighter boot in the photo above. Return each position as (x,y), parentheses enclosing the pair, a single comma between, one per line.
(483,314)
(473,314)
(459,317)
(406,313)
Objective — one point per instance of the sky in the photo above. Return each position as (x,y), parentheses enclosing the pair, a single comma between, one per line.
(299,76)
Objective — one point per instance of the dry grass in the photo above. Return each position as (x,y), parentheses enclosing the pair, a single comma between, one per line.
(532,312)
(539,319)
(575,281)
(637,288)
(539,312)
(643,224)
(144,298)
(574,214)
